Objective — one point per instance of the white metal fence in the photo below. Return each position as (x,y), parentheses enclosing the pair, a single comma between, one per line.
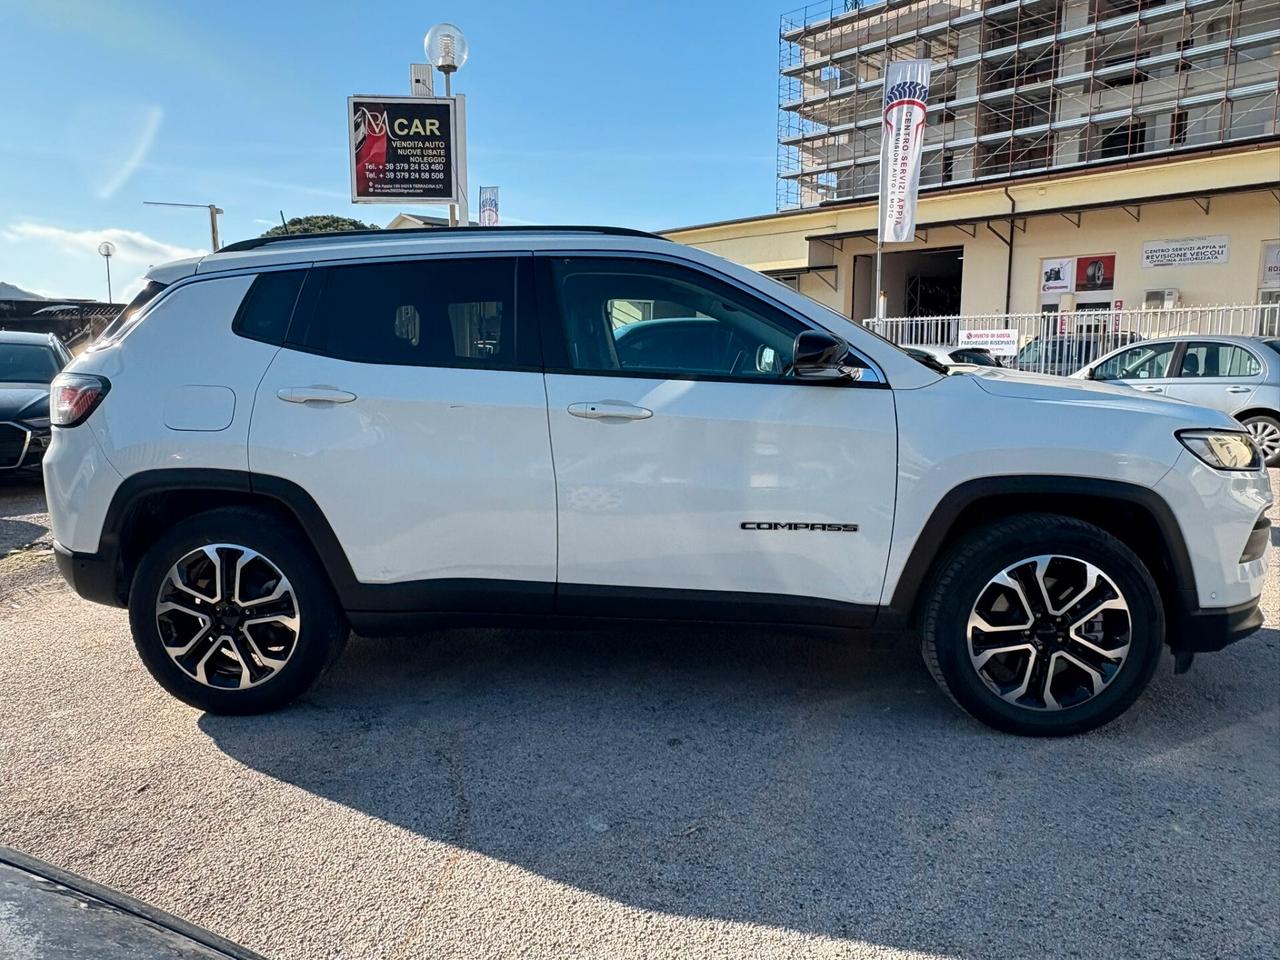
(1061,343)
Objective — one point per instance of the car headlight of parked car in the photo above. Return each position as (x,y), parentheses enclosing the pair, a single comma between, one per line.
(1223,449)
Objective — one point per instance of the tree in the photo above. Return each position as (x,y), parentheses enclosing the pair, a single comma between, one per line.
(320,223)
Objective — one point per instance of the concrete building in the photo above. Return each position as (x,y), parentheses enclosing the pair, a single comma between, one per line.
(1080,155)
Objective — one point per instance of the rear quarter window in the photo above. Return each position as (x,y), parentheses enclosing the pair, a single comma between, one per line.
(267,309)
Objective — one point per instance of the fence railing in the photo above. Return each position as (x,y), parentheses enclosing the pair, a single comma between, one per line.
(1062,343)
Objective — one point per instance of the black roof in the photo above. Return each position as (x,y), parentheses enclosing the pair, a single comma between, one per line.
(359,235)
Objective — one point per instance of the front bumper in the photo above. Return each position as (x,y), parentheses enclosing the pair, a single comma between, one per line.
(1206,630)
(22,448)
(95,576)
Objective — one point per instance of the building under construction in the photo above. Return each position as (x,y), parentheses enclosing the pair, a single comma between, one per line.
(1021,87)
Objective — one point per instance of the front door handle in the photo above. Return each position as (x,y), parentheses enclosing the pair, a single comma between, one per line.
(316,394)
(1148,389)
(1238,389)
(609,410)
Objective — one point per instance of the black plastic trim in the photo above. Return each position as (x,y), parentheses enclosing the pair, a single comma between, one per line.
(93,576)
(959,498)
(1259,537)
(721,606)
(1209,629)
(360,236)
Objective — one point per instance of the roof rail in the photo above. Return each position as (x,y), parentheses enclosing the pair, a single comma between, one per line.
(356,235)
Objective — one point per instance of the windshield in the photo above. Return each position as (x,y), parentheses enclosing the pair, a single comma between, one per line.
(27,363)
(1273,344)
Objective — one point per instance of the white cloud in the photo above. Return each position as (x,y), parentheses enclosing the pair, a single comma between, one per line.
(143,137)
(131,246)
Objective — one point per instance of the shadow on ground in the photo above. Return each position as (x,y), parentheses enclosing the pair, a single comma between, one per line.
(807,784)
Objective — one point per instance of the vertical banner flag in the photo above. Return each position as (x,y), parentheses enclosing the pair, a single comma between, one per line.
(906,93)
(488,206)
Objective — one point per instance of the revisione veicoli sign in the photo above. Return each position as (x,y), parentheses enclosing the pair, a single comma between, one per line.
(403,149)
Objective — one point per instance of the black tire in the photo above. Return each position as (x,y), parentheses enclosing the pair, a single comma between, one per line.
(964,572)
(323,628)
(1262,420)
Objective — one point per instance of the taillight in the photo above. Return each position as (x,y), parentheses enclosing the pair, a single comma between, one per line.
(73,396)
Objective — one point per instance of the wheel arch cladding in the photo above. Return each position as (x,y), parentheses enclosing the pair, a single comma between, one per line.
(1135,515)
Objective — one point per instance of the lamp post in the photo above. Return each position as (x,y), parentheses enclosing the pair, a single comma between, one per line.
(446,50)
(213,216)
(108,250)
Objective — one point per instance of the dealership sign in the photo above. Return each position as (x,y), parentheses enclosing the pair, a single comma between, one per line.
(1185,252)
(405,149)
(1001,343)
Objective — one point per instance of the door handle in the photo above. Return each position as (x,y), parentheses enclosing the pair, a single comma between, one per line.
(609,410)
(1238,389)
(1148,389)
(317,394)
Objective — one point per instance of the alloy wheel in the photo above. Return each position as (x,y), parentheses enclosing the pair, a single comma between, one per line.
(1266,434)
(1049,632)
(227,616)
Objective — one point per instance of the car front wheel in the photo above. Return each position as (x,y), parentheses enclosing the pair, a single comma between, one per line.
(1042,625)
(231,614)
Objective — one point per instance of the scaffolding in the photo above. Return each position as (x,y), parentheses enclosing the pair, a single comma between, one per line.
(1020,86)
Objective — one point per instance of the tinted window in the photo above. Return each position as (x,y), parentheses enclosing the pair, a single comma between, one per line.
(453,312)
(652,317)
(1274,345)
(981,358)
(267,307)
(1148,361)
(1218,360)
(127,317)
(27,363)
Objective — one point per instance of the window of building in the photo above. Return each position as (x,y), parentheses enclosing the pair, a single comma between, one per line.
(449,312)
(1178,128)
(1121,141)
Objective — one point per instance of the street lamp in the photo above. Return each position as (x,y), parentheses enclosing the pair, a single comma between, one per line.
(213,216)
(108,250)
(446,50)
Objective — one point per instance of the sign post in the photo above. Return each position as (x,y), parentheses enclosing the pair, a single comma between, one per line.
(906,97)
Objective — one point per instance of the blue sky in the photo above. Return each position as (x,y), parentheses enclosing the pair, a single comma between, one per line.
(648,114)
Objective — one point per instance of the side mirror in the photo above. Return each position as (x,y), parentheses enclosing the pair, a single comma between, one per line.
(819,355)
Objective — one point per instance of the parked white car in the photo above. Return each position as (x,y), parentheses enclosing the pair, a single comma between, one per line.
(297,436)
(1238,375)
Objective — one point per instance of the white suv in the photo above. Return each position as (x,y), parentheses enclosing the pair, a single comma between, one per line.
(300,436)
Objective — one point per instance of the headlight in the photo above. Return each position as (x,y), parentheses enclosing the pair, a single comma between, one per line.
(1223,450)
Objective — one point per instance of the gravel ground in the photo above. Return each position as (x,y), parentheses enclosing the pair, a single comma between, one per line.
(638,793)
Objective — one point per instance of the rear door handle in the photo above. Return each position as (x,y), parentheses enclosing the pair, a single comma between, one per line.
(1148,389)
(317,394)
(1238,389)
(609,410)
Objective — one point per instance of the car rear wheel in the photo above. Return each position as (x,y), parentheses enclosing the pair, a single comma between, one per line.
(232,615)
(1042,625)
(1266,434)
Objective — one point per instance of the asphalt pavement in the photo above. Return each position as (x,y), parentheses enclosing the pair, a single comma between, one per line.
(637,792)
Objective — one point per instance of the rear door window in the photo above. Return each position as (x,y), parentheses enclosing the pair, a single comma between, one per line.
(267,308)
(456,312)
(1208,359)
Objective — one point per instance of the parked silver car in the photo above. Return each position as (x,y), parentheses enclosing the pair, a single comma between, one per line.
(1237,375)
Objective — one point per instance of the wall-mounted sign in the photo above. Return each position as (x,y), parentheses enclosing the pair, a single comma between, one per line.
(1001,343)
(404,149)
(1271,264)
(1095,272)
(1058,275)
(1187,251)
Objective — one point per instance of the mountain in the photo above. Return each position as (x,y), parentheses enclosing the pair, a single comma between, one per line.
(9,292)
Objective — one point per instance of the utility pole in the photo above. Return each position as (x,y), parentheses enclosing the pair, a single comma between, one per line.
(213,216)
